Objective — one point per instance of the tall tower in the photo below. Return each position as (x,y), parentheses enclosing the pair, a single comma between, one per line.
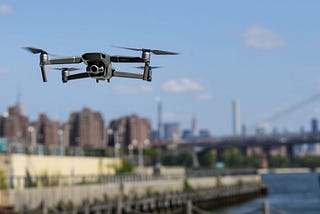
(19,105)
(236,117)
(194,128)
(159,112)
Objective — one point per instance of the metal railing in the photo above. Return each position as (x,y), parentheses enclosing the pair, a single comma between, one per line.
(67,180)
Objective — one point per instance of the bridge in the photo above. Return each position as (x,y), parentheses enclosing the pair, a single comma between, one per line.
(243,143)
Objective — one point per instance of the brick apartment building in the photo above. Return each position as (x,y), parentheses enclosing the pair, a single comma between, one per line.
(84,128)
(47,131)
(129,130)
(87,128)
(14,125)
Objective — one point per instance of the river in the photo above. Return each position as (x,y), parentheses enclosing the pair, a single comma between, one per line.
(294,193)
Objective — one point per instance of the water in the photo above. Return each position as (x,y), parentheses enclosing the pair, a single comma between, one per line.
(293,193)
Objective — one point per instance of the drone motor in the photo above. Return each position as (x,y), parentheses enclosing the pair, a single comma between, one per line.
(43,59)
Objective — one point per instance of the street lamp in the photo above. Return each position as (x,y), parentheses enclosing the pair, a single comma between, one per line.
(130,148)
(60,133)
(32,131)
(146,142)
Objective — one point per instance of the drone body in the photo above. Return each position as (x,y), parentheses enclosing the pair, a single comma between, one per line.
(99,65)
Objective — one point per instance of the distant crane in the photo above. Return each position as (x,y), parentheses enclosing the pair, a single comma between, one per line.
(275,116)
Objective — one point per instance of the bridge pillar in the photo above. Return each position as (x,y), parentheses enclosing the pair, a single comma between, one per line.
(219,152)
(265,156)
(266,151)
(195,160)
(243,150)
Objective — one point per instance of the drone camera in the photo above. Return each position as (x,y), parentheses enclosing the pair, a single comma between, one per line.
(95,69)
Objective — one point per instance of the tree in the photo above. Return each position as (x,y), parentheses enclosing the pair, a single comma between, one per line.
(125,167)
(232,158)
(207,159)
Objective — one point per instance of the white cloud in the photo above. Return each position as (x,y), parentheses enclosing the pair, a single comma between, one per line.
(5,9)
(182,85)
(259,37)
(204,97)
(127,89)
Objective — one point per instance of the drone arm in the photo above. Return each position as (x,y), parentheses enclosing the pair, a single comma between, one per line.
(78,76)
(127,75)
(64,60)
(126,59)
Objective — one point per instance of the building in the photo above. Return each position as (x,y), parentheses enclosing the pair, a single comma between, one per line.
(195,134)
(236,117)
(87,129)
(46,131)
(314,125)
(171,131)
(129,130)
(14,126)
(194,127)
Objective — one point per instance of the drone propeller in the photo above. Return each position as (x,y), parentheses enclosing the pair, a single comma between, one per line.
(38,51)
(66,69)
(43,57)
(151,67)
(35,50)
(157,52)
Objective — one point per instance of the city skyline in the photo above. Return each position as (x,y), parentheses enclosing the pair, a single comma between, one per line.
(229,50)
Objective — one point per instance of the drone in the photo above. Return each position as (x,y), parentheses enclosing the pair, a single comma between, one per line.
(99,65)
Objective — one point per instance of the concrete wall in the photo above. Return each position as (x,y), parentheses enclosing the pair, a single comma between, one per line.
(168,170)
(52,195)
(204,182)
(57,165)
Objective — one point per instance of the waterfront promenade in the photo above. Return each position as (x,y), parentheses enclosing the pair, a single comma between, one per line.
(140,191)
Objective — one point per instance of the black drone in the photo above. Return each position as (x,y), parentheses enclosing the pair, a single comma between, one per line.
(99,65)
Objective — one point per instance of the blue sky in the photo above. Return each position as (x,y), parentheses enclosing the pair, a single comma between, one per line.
(263,53)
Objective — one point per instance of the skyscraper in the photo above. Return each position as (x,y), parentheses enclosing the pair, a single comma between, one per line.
(194,127)
(236,117)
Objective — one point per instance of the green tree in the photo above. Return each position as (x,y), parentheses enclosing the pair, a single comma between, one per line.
(125,167)
(233,158)
(207,159)
(278,161)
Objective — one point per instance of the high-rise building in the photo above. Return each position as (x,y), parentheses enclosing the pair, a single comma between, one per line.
(236,117)
(171,131)
(46,130)
(87,129)
(195,128)
(14,126)
(130,130)
(314,125)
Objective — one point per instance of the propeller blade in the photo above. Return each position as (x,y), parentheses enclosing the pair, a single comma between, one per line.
(35,50)
(157,52)
(160,52)
(133,49)
(66,69)
(152,67)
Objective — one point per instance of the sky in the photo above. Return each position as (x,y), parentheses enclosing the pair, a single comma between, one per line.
(265,54)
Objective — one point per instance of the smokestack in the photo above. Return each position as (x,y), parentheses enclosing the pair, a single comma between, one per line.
(236,117)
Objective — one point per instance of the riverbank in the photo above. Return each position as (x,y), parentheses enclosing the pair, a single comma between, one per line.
(174,202)
(287,170)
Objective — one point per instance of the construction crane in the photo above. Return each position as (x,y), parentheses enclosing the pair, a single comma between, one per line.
(265,123)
